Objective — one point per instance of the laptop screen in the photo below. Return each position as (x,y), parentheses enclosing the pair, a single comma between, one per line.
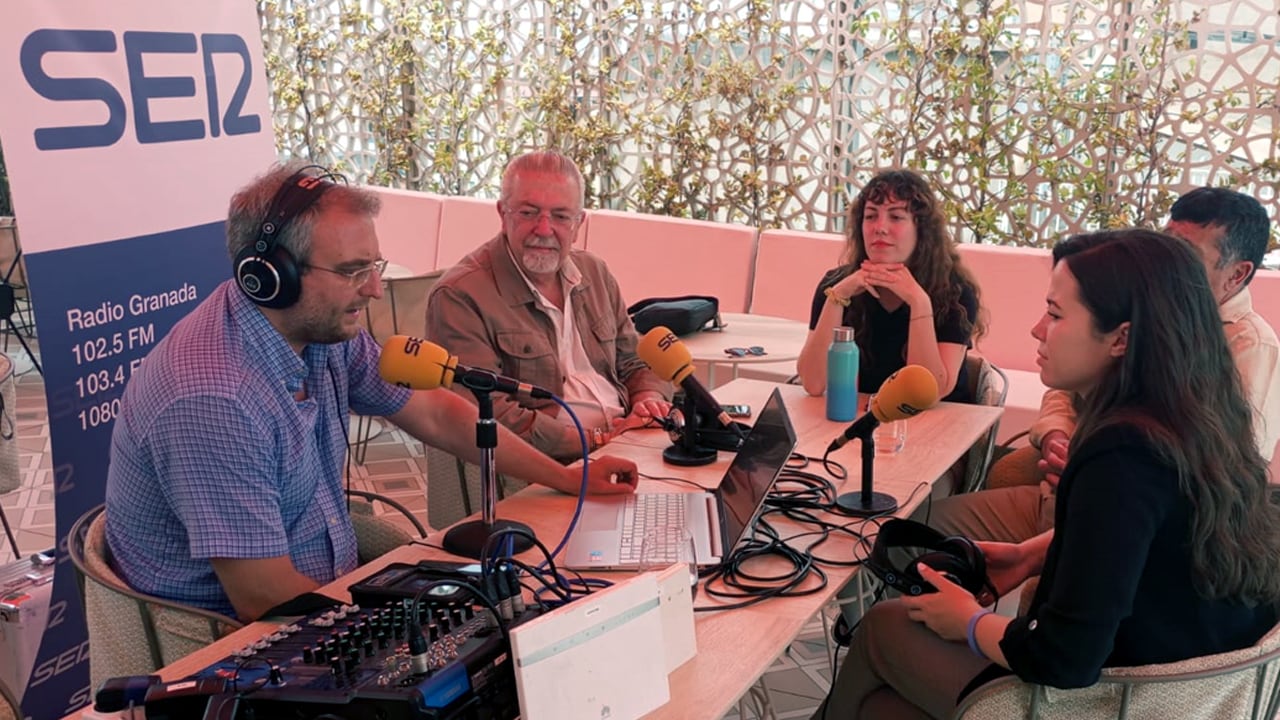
(755,468)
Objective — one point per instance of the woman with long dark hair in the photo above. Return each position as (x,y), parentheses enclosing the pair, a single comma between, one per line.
(1165,540)
(902,289)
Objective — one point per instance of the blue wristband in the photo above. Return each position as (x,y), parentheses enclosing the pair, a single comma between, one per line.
(973,625)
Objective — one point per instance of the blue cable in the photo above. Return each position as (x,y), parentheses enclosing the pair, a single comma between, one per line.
(582,491)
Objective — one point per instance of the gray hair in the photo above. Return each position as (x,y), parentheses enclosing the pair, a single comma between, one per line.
(544,161)
(250,204)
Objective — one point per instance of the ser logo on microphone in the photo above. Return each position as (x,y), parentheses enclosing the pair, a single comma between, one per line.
(412,345)
(667,341)
(909,410)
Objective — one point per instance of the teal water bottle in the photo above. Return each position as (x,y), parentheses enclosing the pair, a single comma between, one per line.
(842,376)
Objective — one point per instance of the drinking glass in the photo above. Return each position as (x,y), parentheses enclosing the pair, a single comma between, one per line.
(890,437)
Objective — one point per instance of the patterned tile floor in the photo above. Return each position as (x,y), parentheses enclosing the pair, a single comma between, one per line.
(395,466)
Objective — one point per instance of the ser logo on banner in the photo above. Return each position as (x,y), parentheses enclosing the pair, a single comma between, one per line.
(143,88)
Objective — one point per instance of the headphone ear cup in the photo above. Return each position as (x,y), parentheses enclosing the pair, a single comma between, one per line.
(953,568)
(972,565)
(271,280)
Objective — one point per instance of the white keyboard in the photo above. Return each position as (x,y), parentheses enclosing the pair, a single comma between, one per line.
(644,512)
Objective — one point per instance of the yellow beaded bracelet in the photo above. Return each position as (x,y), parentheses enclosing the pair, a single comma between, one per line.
(833,297)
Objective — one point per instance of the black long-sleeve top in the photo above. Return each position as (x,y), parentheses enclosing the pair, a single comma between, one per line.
(1116,585)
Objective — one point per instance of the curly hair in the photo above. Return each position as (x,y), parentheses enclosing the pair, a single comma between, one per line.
(1177,382)
(934,263)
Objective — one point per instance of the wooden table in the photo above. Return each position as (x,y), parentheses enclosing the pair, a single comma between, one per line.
(735,647)
(781,338)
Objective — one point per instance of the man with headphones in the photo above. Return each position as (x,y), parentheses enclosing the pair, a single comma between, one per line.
(225,484)
(528,303)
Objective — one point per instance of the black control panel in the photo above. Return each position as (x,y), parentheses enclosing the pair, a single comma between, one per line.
(362,662)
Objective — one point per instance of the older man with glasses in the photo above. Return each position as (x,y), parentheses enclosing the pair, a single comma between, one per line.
(225,484)
(527,303)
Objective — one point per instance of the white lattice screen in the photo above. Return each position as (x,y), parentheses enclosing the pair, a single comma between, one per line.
(1033,118)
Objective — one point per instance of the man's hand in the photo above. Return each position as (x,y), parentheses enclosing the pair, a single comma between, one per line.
(945,612)
(647,406)
(646,409)
(1053,455)
(606,475)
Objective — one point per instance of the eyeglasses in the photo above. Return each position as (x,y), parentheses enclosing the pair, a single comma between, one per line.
(743,352)
(356,277)
(558,218)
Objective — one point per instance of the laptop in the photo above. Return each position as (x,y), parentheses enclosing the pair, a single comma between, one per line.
(608,535)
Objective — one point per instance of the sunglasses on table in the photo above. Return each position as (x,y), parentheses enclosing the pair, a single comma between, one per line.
(745,351)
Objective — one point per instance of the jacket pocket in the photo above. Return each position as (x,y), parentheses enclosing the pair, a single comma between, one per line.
(526,355)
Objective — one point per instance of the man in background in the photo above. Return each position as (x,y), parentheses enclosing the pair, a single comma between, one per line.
(527,303)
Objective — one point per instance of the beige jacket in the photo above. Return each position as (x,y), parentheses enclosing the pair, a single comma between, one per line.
(484,312)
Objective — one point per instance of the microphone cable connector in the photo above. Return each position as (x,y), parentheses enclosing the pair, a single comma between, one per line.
(504,596)
(419,663)
(517,593)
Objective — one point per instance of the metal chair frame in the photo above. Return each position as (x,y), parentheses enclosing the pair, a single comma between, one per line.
(372,496)
(976,478)
(1262,665)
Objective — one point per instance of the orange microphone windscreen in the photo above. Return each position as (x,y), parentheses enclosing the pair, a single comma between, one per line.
(905,393)
(415,363)
(663,352)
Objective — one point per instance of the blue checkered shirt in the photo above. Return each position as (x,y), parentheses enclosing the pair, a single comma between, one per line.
(212,456)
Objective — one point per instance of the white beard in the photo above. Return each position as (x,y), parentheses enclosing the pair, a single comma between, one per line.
(541,263)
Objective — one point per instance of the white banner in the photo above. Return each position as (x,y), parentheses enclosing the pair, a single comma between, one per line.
(123,119)
(126,127)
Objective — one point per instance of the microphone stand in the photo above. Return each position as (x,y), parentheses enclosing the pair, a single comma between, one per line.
(867,502)
(687,452)
(469,538)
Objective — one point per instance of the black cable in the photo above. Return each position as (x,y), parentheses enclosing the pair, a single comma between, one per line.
(475,592)
(570,588)
(799,496)
(243,663)
(800,461)
(424,543)
(343,422)
(664,478)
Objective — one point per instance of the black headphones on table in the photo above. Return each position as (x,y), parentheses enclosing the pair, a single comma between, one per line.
(956,557)
(710,433)
(265,270)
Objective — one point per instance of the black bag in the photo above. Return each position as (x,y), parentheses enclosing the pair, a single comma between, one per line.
(681,315)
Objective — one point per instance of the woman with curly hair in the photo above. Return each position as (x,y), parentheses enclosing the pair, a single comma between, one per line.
(901,288)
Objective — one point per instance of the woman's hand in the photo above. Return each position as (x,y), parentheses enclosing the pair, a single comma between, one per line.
(855,284)
(897,279)
(1007,565)
(945,612)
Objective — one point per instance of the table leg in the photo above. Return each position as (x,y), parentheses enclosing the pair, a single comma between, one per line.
(759,700)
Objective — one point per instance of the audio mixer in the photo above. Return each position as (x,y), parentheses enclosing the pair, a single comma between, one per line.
(361,663)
